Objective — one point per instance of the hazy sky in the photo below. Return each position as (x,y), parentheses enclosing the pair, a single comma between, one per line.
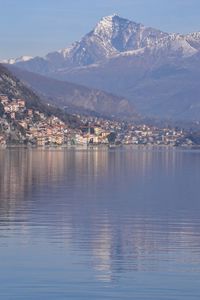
(35,27)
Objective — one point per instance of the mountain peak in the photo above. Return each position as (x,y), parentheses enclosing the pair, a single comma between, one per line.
(110,17)
(105,23)
(116,19)
(123,35)
(112,36)
(111,20)
(114,29)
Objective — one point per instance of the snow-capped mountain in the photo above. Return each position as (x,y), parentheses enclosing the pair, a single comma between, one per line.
(13,61)
(173,45)
(112,36)
(193,39)
(127,59)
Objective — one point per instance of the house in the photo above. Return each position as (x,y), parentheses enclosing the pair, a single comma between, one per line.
(2,141)
(21,103)
(4,99)
(41,141)
(12,115)
(14,106)
(30,112)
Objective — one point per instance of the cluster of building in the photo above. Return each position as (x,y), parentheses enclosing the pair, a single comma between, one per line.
(29,126)
(125,133)
(12,107)
(150,135)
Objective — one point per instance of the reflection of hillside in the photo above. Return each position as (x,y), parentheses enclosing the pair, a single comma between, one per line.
(22,171)
(120,208)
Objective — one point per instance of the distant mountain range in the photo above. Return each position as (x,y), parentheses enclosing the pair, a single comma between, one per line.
(13,61)
(157,72)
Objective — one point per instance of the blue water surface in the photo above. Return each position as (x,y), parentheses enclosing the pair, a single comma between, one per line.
(99,224)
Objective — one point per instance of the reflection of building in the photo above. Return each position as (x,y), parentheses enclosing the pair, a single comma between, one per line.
(22,169)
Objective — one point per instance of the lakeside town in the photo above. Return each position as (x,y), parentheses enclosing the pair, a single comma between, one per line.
(20,125)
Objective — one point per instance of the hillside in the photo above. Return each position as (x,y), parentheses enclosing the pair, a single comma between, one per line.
(14,88)
(73,97)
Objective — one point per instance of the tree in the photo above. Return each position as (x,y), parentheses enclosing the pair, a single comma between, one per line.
(1,110)
(111,138)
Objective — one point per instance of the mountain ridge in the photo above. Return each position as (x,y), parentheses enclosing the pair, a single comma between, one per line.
(111,36)
(128,59)
(73,97)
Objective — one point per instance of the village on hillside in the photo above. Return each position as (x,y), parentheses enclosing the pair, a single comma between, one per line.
(20,125)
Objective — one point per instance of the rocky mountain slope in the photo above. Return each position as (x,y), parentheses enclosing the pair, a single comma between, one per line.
(164,88)
(111,36)
(75,98)
(156,71)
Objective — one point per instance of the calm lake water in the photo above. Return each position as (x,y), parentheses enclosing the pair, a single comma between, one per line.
(99,224)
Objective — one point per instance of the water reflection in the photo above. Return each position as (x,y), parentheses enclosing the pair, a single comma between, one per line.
(122,211)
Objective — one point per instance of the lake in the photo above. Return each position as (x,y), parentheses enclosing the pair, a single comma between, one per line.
(100,224)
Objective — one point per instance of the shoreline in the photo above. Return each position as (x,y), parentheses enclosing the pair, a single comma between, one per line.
(104,146)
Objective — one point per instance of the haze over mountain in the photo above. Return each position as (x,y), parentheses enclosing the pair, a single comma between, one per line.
(75,98)
(156,71)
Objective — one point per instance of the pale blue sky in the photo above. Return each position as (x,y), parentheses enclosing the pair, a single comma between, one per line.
(35,27)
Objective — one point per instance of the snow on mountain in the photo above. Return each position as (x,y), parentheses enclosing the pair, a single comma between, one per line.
(12,61)
(111,37)
(175,45)
(124,35)
(194,39)
(157,71)
(24,58)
